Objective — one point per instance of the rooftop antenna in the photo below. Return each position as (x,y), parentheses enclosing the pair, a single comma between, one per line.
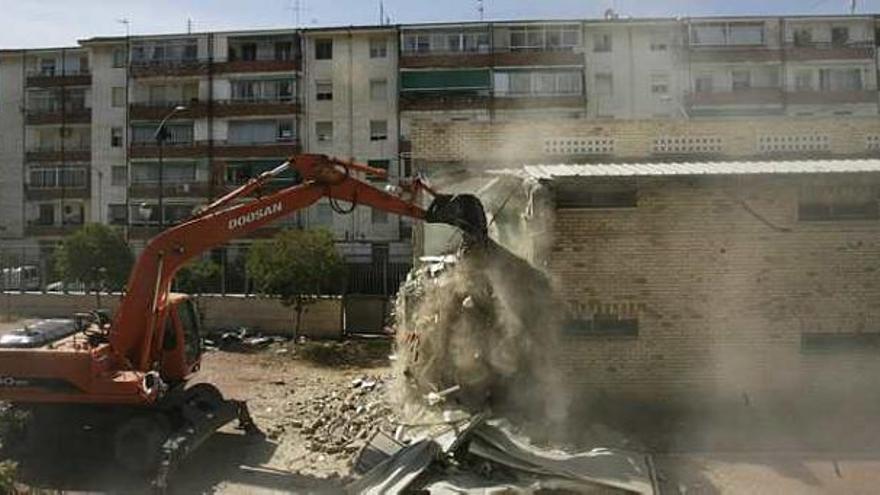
(189,25)
(381,12)
(127,23)
(481,9)
(852,7)
(297,7)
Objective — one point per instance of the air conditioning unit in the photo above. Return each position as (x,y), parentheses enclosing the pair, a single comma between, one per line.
(184,188)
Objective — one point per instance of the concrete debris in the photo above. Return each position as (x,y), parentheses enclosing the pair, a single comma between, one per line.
(489,457)
(341,422)
(240,340)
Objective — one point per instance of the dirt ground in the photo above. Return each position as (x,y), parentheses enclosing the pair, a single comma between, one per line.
(276,387)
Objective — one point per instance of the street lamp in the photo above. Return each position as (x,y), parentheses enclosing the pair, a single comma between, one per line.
(160,136)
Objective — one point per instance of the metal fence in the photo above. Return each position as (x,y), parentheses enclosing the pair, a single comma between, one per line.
(34,270)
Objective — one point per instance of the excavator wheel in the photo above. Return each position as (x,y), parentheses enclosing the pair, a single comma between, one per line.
(138,442)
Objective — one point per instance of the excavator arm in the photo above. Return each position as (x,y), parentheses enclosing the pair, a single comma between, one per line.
(229,217)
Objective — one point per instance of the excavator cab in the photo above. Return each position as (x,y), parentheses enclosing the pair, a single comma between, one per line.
(181,339)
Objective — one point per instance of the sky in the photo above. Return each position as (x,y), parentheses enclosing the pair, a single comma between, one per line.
(52,23)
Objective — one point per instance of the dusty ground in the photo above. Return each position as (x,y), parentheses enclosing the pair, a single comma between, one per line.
(276,387)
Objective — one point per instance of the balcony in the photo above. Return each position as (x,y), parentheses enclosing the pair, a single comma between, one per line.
(149,149)
(52,78)
(42,193)
(72,153)
(277,149)
(751,96)
(440,59)
(53,114)
(175,190)
(521,102)
(829,51)
(512,58)
(831,97)
(264,65)
(157,110)
(734,53)
(238,108)
(37,229)
(170,68)
(426,101)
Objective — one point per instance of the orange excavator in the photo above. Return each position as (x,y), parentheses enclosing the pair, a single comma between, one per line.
(137,367)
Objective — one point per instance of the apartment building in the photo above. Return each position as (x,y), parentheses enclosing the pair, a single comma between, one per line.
(78,140)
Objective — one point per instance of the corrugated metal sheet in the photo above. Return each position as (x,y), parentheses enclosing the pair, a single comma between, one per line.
(549,172)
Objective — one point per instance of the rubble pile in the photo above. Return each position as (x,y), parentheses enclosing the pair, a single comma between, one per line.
(343,421)
(485,322)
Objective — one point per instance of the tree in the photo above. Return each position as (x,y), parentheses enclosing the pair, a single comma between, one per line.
(97,256)
(295,265)
(198,277)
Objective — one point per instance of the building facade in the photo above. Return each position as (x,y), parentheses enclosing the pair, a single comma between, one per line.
(78,124)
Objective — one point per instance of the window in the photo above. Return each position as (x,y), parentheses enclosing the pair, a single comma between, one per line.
(148,173)
(177,133)
(604,84)
(324,49)
(659,84)
(381,165)
(249,51)
(703,83)
(378,130)
(538,38)
(116,214)
(803,80)
(47,67)
(839,35)
(602,42)
(46,215)
(603,326)
(741,80)
(118,96)
(576,194)
(118,175)
(803,37)
(285,131)
(746,34)
(324,131)
(116,137)
(324,90)
(260,131)
(118,58)
(378,90)
(659,43)
(538,83)
(737,33)
(283,50)
(416,43)
(840,79)
(378,48)
(324,215)
(378,217)
(840,342)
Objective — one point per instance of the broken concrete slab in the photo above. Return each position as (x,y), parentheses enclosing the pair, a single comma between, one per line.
(397,473)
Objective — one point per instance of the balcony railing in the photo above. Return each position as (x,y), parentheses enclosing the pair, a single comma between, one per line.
(260,149)
(54,153)
(193,189)
(831,97)
(72,113)
(35,228)
(750,96)
(256,106)
(266,64)
(424,101)
(170,67)
(829,51)
(53,77)
(157,110)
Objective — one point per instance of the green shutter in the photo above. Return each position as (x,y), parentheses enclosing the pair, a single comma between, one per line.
(445,80)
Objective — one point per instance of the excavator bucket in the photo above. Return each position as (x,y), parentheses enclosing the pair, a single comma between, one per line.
(464,211)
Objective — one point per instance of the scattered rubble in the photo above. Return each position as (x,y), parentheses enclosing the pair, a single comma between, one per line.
(340,421)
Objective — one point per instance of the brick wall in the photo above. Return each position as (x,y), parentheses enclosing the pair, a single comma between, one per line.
(520,141)
(724,280)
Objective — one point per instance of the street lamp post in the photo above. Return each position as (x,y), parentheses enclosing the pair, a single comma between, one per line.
(161,135)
